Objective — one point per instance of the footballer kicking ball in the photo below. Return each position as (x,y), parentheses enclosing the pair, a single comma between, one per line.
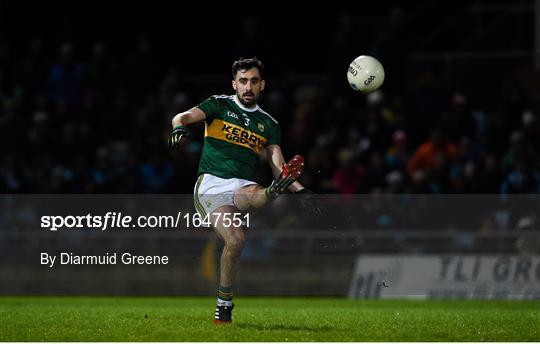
(365,74)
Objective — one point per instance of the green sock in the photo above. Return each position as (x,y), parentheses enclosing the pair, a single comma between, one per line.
(225,295)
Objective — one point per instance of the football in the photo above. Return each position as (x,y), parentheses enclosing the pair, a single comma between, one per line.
(365,74)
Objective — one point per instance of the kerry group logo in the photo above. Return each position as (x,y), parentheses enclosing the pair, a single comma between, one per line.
(237,135)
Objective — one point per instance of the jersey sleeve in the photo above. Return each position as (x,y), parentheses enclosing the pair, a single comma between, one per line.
(275,135)
(209,107)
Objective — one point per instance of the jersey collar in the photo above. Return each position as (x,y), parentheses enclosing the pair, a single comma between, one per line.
(241,106)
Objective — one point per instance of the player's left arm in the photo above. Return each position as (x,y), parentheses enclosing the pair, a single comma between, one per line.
(276,161)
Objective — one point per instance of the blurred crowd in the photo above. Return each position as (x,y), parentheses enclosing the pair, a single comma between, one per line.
(384,148)
(93,121)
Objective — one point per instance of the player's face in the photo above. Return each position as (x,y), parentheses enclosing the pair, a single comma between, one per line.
(248,86)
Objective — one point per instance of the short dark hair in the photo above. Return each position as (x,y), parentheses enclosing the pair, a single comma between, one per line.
(245,64)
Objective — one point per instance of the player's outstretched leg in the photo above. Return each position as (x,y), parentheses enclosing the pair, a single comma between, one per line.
(256,196)
(291,172)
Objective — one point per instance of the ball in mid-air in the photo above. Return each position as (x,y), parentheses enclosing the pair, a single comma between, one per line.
(365,74)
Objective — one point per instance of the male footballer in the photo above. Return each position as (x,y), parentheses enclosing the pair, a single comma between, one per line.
(237,131)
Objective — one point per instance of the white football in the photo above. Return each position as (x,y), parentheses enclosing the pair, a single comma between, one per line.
(365,74)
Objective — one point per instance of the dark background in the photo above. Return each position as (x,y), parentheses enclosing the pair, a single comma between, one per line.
(87,91)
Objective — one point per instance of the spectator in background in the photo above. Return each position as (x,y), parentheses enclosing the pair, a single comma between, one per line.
(519,149)
(522,180)
(421,184)
(348,176)
(374,176)
(156,174)
(397,154)
(433,155)
(395,182)
(531,133)
(65,76)
(490,177)
(459,120)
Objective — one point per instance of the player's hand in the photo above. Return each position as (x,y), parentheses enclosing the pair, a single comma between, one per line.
(177,134)
(309,201)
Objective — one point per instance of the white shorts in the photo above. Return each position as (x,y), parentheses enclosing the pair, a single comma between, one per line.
(212,192)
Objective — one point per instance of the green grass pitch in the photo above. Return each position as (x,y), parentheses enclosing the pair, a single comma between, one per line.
(265,319)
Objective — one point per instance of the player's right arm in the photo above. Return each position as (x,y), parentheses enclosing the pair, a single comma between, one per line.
(193,115)
(180,123)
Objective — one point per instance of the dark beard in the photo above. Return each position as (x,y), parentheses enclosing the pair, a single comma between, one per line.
(247,104)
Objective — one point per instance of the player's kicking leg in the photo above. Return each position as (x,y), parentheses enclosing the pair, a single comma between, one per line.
(233,237)
(256,196)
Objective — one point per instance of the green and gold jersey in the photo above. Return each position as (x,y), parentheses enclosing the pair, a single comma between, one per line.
(234,137)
